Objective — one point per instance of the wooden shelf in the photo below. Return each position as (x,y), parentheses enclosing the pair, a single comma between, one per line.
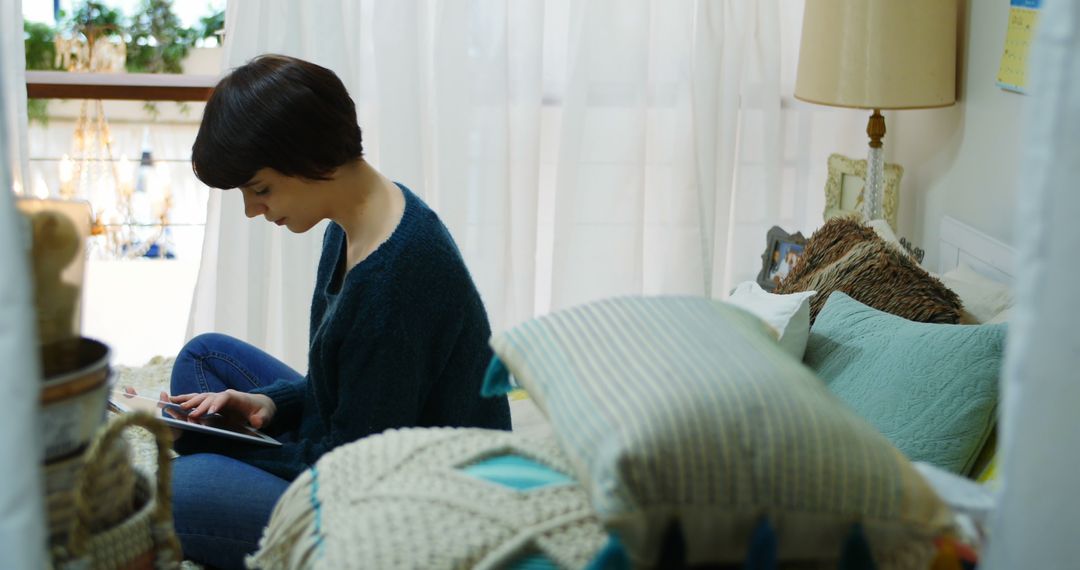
(126,86)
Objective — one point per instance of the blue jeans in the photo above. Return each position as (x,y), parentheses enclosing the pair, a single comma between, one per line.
(220,504)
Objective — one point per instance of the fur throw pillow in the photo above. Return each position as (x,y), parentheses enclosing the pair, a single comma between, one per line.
(846,255)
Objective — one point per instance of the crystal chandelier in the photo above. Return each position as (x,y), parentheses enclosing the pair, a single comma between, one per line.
(125,225)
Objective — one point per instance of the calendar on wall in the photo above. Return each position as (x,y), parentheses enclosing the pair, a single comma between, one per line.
(1023,18)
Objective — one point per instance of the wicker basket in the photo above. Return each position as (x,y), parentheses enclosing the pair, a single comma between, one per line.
(101,536)
(61,480)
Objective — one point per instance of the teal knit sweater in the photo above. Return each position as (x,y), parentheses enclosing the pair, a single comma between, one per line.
(398,341)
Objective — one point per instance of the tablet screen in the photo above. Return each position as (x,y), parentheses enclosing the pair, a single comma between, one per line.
(176,416)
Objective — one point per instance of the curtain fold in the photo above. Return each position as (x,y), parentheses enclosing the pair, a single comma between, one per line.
(22,529)
(575,150)
(1034,525)
(13,82)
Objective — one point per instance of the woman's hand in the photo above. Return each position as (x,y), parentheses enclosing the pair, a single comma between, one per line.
(256,409)
(163,398)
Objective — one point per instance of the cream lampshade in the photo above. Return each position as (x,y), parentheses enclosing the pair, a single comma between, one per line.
(878,54)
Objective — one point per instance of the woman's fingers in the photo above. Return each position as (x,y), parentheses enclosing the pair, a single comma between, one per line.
(193,400)
(229,402)
(179,399)
(208,404)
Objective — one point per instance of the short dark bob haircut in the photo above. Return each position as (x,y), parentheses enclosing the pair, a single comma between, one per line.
(276,112)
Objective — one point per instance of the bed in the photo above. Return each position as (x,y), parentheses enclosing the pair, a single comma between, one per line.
(521,538)
(960,243)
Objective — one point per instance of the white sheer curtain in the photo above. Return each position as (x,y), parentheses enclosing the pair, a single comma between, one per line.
(22,531)
(575,150)
(649,153)
(13,82)
(1035,524)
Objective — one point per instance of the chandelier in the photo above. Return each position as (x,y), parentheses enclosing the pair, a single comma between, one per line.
(127,224)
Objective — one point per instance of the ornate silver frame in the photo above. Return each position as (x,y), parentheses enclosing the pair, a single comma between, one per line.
(840,166)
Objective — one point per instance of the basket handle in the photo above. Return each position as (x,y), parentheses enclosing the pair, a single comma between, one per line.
(162,514)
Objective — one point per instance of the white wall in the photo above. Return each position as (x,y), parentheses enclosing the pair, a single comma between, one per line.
(204,61)
(961,161)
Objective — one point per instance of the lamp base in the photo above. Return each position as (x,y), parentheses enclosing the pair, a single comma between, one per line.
(874,189)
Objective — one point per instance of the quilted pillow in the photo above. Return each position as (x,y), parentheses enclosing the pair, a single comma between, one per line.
(931,389)
(684,410)
(847,255)
(434,498)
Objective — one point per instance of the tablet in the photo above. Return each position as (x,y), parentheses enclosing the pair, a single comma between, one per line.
(175,416)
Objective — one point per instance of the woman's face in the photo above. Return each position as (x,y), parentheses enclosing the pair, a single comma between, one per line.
(283,200)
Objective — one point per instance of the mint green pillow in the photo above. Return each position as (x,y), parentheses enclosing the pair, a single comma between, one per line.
(931,389)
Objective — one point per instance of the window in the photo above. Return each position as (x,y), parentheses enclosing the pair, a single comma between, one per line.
(122,142)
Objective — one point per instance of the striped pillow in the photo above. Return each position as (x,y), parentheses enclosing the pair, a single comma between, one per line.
(676,409)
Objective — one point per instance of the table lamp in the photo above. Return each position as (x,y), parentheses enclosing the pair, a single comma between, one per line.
(878,54)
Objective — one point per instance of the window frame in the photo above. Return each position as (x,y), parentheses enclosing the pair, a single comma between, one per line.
(119,86)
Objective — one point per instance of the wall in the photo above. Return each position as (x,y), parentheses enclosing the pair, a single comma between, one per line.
(961,161)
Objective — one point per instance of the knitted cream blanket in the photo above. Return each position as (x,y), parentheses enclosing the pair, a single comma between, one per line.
(401,500)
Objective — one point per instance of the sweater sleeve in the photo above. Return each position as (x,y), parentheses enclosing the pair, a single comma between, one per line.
(288,397)
(382,383)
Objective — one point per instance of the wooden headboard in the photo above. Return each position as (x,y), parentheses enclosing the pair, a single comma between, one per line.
(986,255)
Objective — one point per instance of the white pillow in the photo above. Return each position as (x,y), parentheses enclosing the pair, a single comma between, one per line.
(1002,317)
(982,297)
(788,315)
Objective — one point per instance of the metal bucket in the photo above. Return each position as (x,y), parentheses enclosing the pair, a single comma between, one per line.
(74,395)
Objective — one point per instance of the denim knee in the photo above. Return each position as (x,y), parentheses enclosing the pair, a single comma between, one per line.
(187,376)
(214,362)
(204,343)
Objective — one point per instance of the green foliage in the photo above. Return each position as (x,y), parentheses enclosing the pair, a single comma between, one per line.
(151,109)
(157,42)
(210,25)
(94,19)
(40,56)
(37,111)
(40,49)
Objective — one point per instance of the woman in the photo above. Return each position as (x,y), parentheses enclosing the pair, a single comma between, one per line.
(398,333)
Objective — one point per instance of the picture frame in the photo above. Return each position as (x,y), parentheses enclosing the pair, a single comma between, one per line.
(782,250)
(844,189)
